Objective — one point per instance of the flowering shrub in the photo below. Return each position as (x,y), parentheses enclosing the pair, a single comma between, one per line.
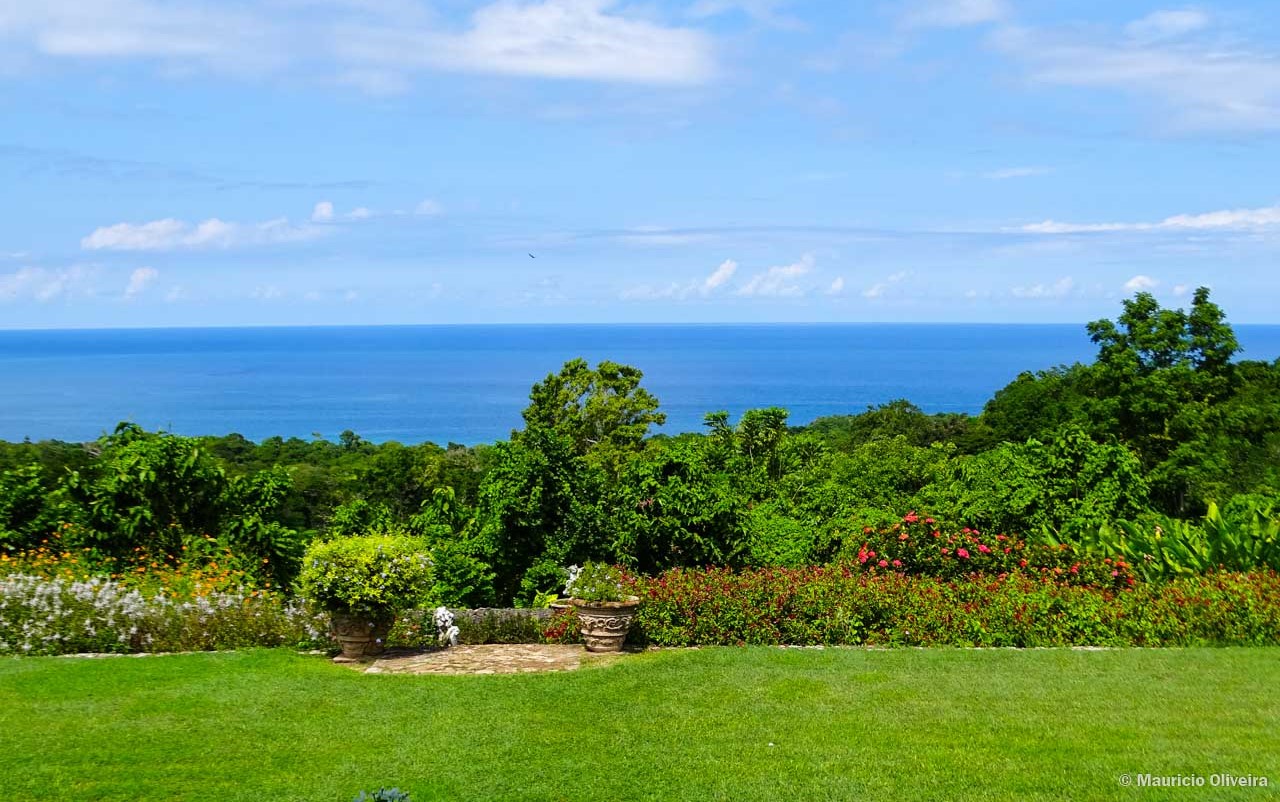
(846,605)
(917,546)
(377,575)
(43,615)
(596,582)
(205,565)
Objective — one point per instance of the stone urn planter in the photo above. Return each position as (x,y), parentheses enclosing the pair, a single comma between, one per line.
(605,623)
(359,635)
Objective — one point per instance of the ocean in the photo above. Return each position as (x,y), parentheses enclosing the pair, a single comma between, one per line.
(468,384)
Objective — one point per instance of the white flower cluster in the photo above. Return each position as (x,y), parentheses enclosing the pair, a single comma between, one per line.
(60,616)
(574,571)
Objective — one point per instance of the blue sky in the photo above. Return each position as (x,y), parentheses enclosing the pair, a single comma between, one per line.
(397,161)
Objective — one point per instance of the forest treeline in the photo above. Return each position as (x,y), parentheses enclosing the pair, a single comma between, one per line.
(1166,431)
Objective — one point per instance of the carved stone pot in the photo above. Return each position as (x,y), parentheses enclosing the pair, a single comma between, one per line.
(360,635)
(605,624)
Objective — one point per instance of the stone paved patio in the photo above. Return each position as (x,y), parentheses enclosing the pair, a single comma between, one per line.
(489,659)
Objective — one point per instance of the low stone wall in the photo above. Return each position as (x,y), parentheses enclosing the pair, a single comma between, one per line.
(416,628)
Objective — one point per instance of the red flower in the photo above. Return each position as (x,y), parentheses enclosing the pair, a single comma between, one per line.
(897,563)
(911,517)
(902,536)
(982,547)
(962,554)
(929,521)
(1022,563)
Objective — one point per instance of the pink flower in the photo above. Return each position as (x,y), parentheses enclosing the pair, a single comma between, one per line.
(902,536)
(897,563)
(982,547)
(962,554)
(884,564)
(1115,573)
(929,521)
(911,517)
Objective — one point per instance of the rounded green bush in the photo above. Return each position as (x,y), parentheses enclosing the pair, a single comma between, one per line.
(377,575)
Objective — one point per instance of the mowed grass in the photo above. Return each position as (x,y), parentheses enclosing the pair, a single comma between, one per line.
(734,724)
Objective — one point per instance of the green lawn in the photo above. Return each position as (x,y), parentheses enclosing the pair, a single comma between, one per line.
(734,724)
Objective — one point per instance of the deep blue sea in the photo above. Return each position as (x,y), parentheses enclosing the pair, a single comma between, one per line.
(467,384)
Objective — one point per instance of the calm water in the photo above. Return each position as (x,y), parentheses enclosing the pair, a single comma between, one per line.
(467,384)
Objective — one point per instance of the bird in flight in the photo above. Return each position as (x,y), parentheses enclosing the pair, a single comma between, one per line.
(531,256)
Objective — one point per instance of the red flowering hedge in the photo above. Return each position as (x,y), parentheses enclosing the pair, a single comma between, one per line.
(844,605)
(918,547)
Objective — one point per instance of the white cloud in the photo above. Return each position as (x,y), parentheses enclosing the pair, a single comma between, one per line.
(1140,283)
(570,39)
(46,284)
(360,213)
(778,282)
(1016,172)
(266,292)
(1167,24)
(139,280)
(1059,289)
(1181,290)
(1204,84)
(1262,218)
(763,11)
(170,234)
(374,46)
(322,213)
(837,286)
(953,13)
(428,208)
(877,290)
(719,276)
(679,291)
(176,293)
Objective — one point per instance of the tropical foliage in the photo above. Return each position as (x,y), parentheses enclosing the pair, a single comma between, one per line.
(1162,456)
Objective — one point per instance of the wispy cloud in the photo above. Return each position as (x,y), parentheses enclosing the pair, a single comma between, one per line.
(952,13)
(1266,217)
(375,46)
(1006,173)
(767,12)
(139,280)
(47,284)
(428,208)
(778,281)
(1059,289)
(1203,82)
(680,291)
(171,234)
(877,291)
(1167,24)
